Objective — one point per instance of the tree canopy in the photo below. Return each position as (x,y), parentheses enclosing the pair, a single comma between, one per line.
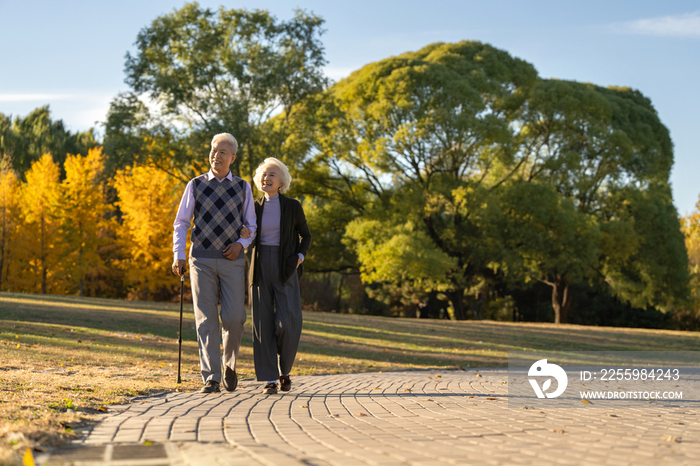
(25,140)
(210,72)
(504,175)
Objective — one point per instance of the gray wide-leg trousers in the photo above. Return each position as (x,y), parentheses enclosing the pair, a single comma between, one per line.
(214,279)
(276,317)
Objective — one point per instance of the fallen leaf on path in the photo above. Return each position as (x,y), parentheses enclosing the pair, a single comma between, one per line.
(611,415)
(490,398)
(362,415)
(586,402)
(304,406)
(333,415)
(28,458)
(478,375)
(470,397)
(557,431)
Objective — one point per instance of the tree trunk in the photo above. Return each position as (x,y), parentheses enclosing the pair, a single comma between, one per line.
(478,306)
(43,258)
(2,243)
(80,269)
(457,300)
(561,300)
(340,293)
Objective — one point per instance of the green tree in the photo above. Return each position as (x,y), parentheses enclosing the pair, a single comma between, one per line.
(229,70)
(650,265)
(607,151)
(442,137)
(554,242)
(424,138)
(26,139)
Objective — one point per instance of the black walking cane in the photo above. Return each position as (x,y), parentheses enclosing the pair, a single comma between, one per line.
(179,341)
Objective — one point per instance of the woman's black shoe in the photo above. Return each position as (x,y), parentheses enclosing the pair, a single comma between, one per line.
(285,383)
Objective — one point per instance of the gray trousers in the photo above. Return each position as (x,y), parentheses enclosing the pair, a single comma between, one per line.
(214,279)
(276,317)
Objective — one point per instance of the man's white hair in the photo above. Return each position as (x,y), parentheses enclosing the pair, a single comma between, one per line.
(226,137)
(283,173)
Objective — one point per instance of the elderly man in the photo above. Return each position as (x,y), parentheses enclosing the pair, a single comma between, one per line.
(222,205)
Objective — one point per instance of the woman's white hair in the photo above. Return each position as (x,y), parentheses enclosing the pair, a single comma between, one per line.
(283,173)
(226,137)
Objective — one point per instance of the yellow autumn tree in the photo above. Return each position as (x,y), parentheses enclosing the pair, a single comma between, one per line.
(81,213)
(691,229)
(39,253)
(148,200)
(9,220)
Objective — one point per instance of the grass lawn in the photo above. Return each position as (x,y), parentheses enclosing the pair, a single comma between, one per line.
(63,358)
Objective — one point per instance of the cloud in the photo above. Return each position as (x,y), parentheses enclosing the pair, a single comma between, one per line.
(33,97)
(684,25)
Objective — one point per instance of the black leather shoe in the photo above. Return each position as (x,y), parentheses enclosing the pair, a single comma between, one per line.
(270,389)
(230,379)
(212,386)
(285,383)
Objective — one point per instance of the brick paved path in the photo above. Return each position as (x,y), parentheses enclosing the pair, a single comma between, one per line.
(415,418)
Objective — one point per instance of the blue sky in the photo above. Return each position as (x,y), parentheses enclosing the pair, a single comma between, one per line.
(70,54)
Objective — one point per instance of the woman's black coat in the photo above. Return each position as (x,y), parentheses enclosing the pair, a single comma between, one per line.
(295,238)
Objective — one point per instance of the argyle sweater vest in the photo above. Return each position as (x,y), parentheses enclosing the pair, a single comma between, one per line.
(218,215)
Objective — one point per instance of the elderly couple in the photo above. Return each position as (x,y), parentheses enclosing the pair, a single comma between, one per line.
(226,221)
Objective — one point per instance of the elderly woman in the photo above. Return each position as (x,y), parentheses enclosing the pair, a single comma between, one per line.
(282,241)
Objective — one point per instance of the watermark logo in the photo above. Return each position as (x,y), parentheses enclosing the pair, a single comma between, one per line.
(543,369)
